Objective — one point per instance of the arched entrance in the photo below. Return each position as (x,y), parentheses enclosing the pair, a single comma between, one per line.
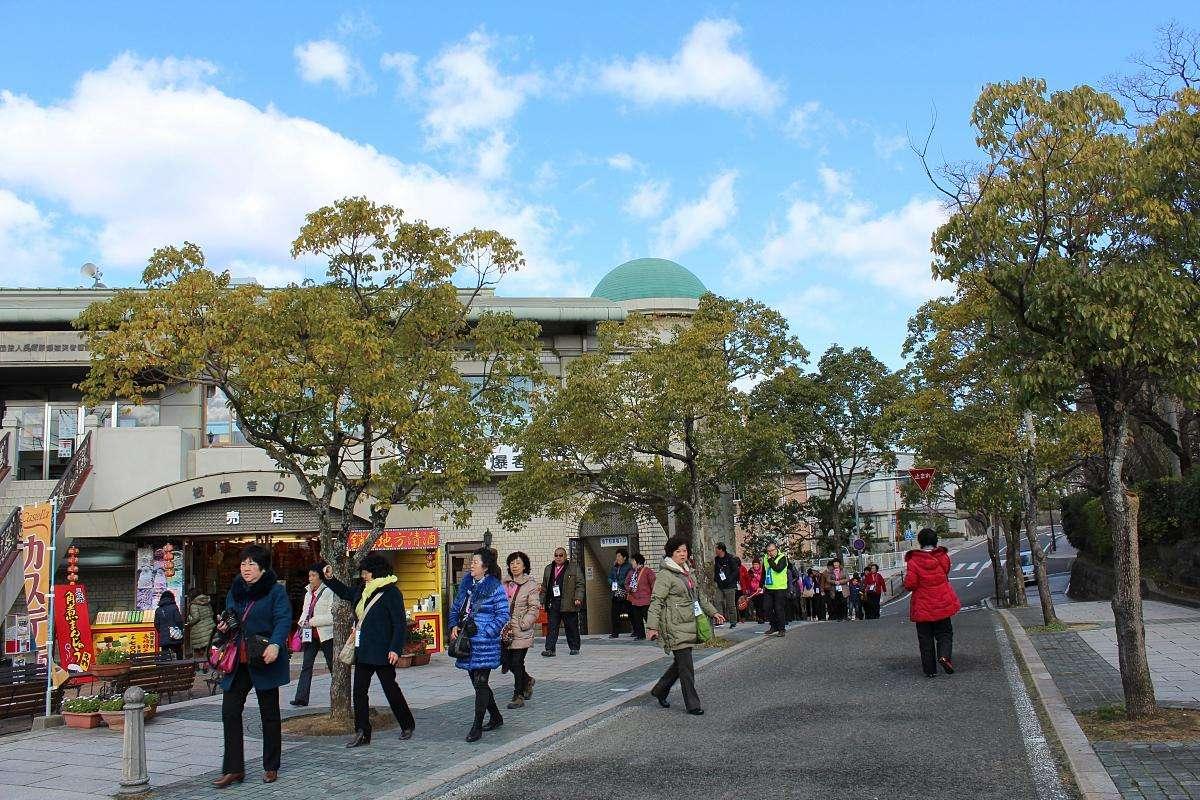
(606,528)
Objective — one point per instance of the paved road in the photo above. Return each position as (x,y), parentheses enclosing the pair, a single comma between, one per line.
(832,711)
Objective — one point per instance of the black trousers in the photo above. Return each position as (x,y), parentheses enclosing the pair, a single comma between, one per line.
(871,604)
(484,699)
(776,608)
(637,617)
(620,606)
(172,649)
(569,620)
(683,670)
(516,665)
(818,606)
(395,697)
(233,703)
(306,667)
(836,601)
(936,640)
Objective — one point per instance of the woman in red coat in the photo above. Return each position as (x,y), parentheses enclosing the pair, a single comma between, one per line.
(933,602)
(639,585)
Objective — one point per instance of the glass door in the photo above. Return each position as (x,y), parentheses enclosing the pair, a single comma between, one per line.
(64,433)
(31,441)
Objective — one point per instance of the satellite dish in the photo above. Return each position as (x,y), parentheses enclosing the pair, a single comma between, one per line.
(89,270)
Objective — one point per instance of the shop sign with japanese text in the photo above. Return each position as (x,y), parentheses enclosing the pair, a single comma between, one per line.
(398,539)
(35,538)
(72,631)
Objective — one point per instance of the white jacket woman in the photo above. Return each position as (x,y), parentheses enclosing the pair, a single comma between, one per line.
(316,617)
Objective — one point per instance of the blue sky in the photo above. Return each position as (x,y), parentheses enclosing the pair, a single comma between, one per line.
(762,145)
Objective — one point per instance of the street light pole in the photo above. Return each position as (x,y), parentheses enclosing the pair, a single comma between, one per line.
(897,477)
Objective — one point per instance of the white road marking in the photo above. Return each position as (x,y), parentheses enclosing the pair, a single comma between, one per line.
(956,569)
(1042,766)
(974,564)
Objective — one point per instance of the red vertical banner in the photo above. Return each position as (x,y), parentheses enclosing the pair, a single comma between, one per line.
(72,631)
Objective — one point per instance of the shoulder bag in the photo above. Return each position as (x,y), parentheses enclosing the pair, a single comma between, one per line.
(460,646)
(346,654)
(224,657)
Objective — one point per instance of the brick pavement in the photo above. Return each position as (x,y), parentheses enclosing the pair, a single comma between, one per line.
(184,742)
(1083,664)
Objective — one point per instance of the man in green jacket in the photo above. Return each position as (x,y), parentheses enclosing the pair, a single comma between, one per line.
(775,589)
(562,597)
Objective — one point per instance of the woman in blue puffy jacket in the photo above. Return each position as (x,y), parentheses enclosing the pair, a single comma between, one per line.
(481,597)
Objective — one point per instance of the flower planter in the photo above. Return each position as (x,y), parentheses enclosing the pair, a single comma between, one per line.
(77,720)
(149,712)
(114,720)
(405,660)
(420,659)
(109,670)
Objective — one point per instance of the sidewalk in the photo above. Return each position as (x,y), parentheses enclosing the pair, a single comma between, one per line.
(184,741)
(1083,663)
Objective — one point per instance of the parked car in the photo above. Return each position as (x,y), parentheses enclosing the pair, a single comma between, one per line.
(1027,567)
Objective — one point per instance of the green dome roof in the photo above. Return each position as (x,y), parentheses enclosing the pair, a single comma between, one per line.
(644,278)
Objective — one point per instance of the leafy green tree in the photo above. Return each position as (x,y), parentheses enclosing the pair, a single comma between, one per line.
(653,420)
(1081,234)
(834,424)
(351,385)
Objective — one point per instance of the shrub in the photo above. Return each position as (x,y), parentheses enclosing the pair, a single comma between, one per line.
(81,705)
(113,655)
(111,704)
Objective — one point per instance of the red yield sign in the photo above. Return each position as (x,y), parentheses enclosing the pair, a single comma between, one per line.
(922,477)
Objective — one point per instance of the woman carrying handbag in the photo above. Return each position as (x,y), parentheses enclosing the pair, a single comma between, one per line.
(482,603)
(523,605)
(257,606)
(375,644)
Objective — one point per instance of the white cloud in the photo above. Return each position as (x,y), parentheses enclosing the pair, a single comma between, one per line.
(357,23)
(151,153)
(888,146)
(694,223)
(30,250)
(704,70)
(405,67)
(545,177)
(622,161)
(648,200)
(815,305)
(324,60)
(803,119)
(834,182)
(492,156)
(468,93)
(889,249)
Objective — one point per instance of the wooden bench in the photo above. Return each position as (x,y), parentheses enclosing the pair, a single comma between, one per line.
(23,692)
(163,675)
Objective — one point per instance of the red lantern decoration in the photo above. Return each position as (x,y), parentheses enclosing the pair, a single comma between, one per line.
(169,560)
(72,564)
(430,558)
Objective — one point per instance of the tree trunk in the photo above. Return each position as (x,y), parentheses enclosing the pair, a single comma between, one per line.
(704,549)
(993,546)
(1120,509)
(1170,415)
(1012,563)
(340,696)
(1029,494)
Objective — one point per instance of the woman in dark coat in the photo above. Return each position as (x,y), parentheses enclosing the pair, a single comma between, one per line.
(261,607)
(481,597)
(168,623)
(382,628)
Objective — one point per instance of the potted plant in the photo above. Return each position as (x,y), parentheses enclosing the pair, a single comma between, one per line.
(110,663)
(421,646)
(113,711)
(82,712)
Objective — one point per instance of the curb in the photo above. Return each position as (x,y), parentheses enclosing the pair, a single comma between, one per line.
(1090,775)
(463,768)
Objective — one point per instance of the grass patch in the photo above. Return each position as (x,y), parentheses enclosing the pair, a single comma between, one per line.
(1110,723)
(1054,627)
(327,725)
(719,643)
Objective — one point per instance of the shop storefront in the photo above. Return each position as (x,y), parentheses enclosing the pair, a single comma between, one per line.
(415,556)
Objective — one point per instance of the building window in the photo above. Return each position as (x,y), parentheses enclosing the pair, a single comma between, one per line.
(220,425)
(123,414)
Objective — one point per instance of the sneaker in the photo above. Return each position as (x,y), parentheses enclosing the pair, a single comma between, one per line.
(575,652)
(298,703)
(947,665)
(614,636)
(548,654)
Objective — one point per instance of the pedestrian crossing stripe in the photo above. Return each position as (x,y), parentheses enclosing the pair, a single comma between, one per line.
(971,568)
(960,566)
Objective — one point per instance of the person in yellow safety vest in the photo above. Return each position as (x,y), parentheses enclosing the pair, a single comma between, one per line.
(775,589)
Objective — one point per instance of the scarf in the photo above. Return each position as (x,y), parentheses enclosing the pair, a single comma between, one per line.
(373,585)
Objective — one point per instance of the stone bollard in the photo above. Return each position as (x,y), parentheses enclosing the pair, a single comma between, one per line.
(135,774)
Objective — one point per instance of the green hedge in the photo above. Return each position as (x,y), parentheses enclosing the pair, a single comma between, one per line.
(1168,514)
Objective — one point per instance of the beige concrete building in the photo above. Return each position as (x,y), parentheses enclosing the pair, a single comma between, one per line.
(162,495)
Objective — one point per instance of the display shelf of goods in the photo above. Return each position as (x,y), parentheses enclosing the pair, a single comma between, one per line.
(110,663)
(82,712)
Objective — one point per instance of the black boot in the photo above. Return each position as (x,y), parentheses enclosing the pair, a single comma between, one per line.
(475,734)
(360,740)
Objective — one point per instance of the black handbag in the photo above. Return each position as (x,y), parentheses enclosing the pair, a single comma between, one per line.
(256,646)
(460,646)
